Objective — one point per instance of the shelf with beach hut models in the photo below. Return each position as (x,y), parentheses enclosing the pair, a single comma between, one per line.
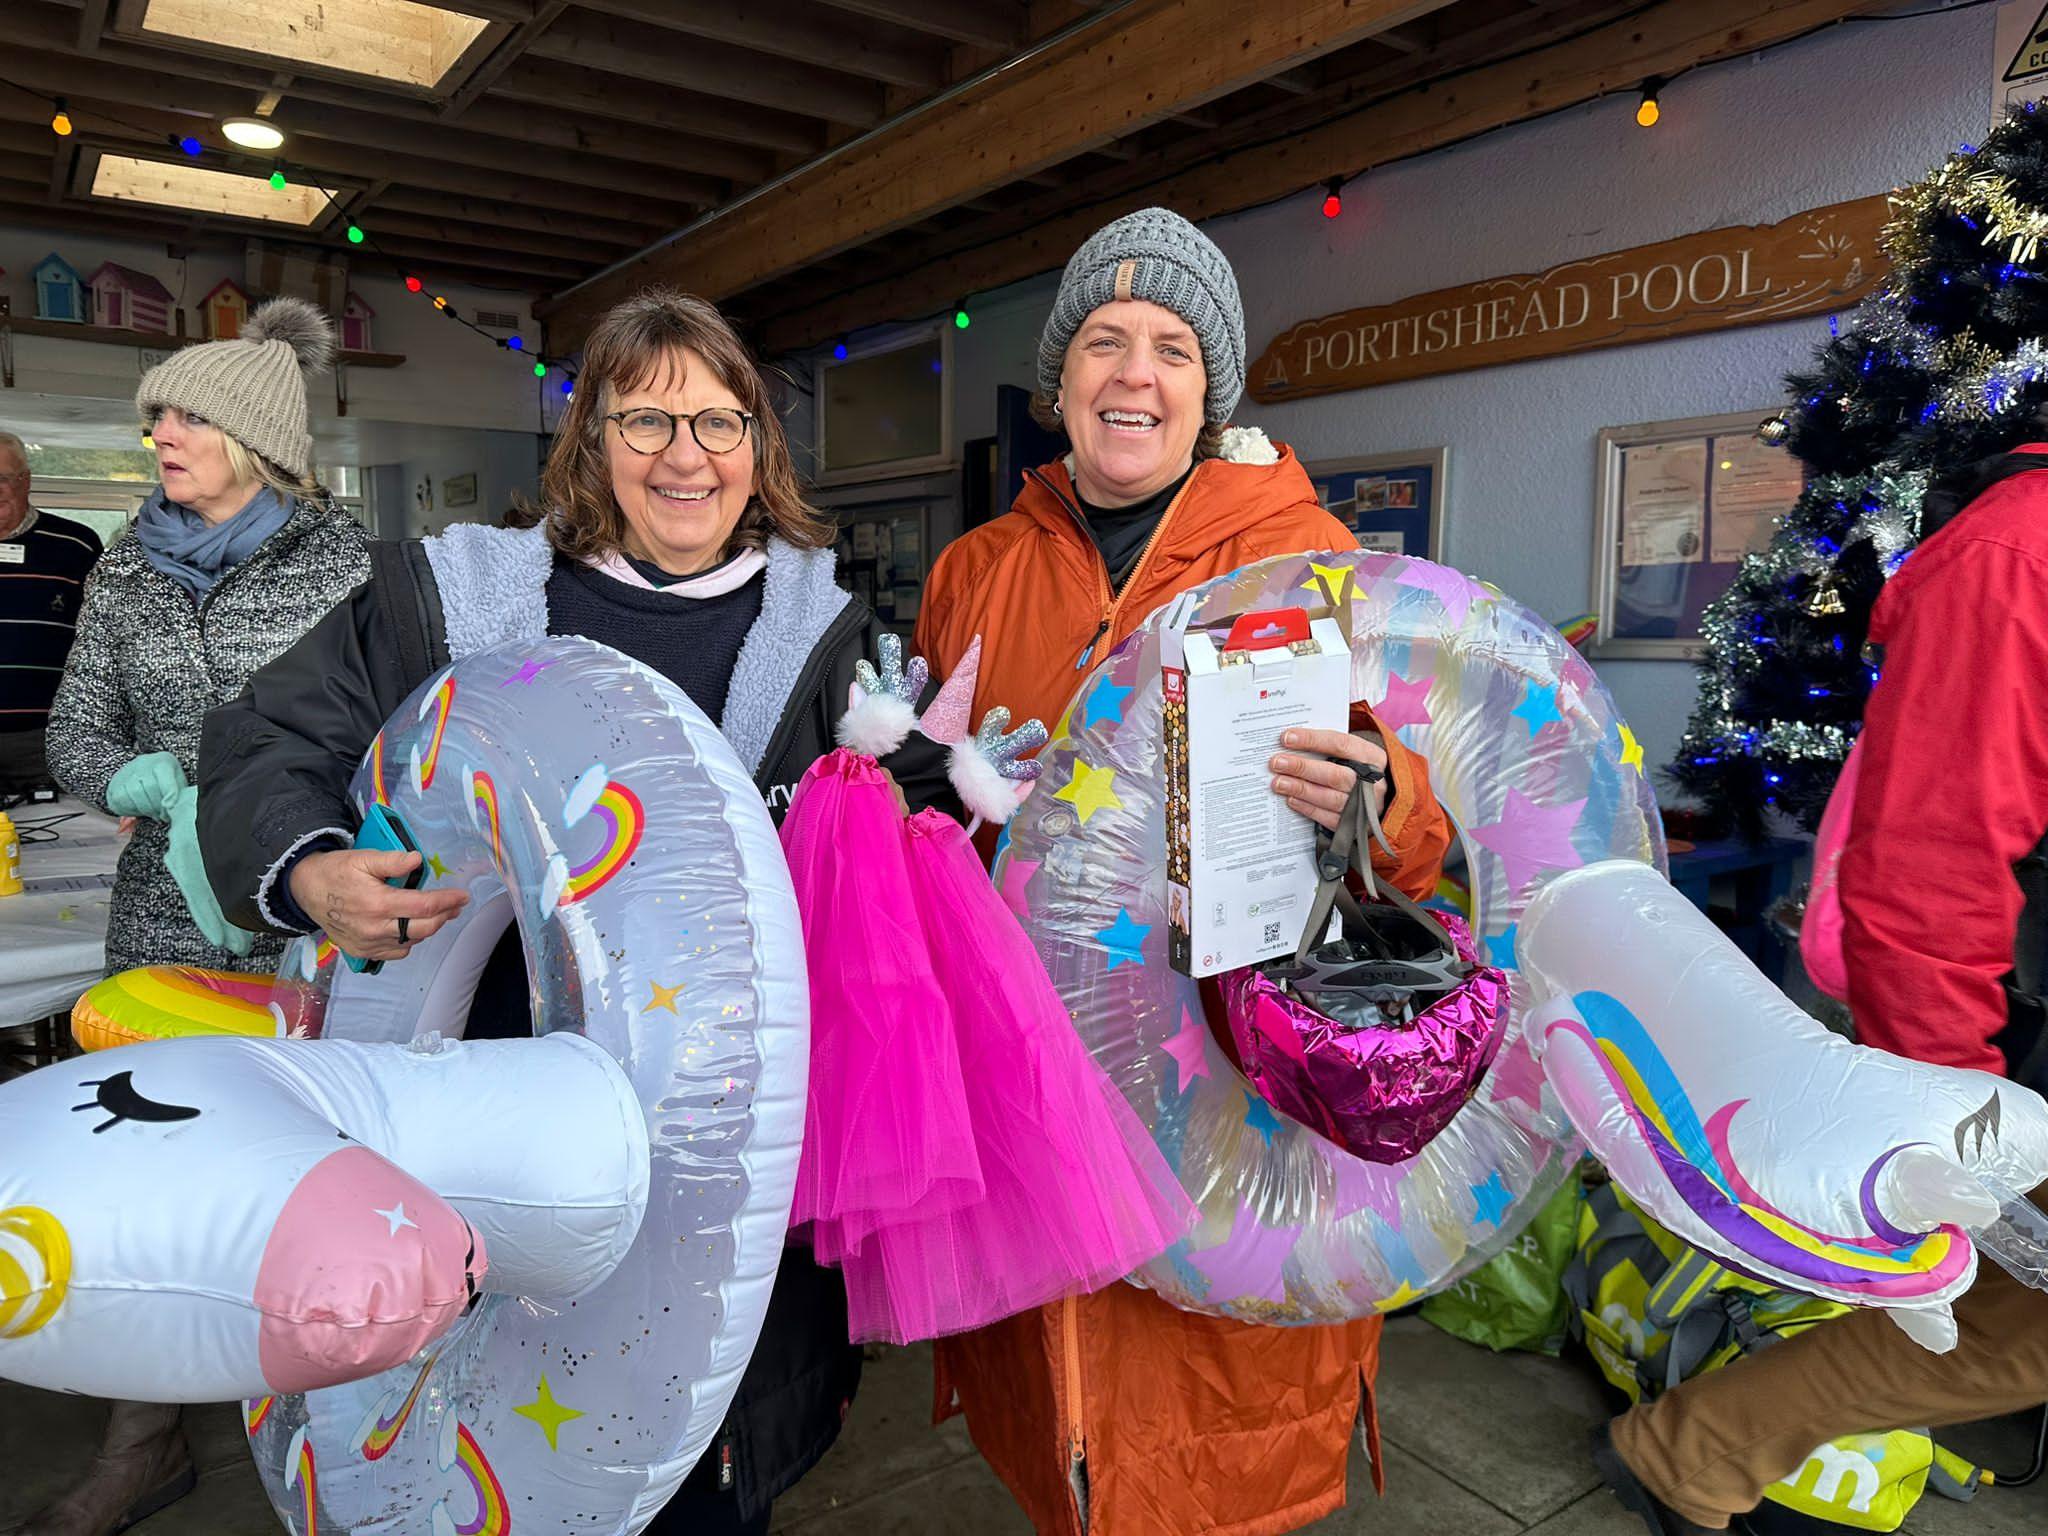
(21,325)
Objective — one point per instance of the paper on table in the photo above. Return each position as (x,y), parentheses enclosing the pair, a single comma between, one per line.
(1664,503)
(1754,484)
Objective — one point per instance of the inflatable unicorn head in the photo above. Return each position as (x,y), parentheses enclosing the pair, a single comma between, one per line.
(217,1219)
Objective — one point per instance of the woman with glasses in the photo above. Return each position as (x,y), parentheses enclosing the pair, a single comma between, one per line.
(674,532)
(236,554)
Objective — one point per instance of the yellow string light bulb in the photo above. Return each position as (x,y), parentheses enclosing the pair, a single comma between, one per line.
(60,120)
(1647,111)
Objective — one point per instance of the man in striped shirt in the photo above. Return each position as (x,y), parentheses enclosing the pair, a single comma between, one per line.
(43,564)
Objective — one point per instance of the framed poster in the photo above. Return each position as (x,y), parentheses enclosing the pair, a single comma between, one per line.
(882,560)
(459,491)
(1392,501)
(1680,504)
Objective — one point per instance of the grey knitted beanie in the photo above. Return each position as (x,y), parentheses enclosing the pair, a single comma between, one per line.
(1154,254)
(254,387)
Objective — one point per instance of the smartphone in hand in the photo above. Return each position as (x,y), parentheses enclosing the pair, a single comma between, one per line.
(385,830)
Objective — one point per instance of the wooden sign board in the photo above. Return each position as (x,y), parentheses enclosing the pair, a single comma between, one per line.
(1822,260)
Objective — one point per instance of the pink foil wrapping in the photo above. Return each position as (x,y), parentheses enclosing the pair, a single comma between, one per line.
(1382,1092)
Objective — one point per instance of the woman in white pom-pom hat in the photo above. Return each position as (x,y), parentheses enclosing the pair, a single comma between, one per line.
(235,555)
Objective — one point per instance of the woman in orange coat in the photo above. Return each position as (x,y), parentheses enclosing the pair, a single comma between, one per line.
(1115,1414)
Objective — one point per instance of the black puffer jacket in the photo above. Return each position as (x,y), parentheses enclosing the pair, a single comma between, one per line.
(275,765)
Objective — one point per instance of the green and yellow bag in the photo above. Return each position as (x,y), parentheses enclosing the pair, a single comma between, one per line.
(1654,1311)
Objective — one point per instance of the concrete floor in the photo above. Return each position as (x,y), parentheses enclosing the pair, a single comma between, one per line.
(1477,1445)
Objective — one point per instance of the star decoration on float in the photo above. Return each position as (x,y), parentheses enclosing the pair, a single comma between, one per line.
(1363,1186)
(1338,576)
(1450,588)
(1516,1075)
(1124,939)
(1631,749)
(1259,1116)
(1189,1049)
(1406,703)
(1105,701)
(547,1413)
(397,1218)
(1500,947)
(1493,1199)
(663,997)
(1404,1295)
(528,671)
(1531,838)
(1092,789)
(1538,707)
(1251,1262)
(434,863)
(1017,875)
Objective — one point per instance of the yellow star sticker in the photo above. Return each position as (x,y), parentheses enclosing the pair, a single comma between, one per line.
(1335,575)
(1631,749)
(1090,791)
(1394,1303)
(434,863)
(547,1413)
(664,997)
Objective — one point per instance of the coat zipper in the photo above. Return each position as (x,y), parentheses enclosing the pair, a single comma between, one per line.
(1076,1426)
(1111,602)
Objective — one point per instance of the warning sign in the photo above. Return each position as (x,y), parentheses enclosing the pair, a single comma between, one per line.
(2019,56)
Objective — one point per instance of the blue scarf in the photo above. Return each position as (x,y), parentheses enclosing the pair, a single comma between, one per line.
(195,553)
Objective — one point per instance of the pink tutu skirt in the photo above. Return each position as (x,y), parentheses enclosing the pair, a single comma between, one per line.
(1068,1192)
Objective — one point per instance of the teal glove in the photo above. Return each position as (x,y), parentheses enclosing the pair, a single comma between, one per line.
(183,860)
(146,786)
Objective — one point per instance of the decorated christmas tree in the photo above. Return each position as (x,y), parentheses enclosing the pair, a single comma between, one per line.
(1944,365)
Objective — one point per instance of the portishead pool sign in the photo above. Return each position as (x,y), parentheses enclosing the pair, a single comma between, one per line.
(1826,259)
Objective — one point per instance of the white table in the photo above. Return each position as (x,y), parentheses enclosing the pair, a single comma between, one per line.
(53,936)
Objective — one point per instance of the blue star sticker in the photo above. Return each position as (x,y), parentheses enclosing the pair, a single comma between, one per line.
(1105,701)
(1500,947)
(1493,1197)
(1124,939)
(1538,707)
(1258,1114)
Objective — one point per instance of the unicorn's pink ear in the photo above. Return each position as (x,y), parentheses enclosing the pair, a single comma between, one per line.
(946,720)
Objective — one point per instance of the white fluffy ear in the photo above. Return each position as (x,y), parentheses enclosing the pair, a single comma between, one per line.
(875,723)
(985,792)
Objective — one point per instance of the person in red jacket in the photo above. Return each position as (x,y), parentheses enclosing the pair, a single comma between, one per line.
(1953,797)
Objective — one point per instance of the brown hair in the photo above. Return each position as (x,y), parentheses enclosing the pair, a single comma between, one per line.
(1208,441)
(629,347)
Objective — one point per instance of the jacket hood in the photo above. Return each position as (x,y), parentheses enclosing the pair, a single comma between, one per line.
(1227,496)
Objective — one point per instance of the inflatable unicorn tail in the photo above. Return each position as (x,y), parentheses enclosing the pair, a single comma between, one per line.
(1755,1134)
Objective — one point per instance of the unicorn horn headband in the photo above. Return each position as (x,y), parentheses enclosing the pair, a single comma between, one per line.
(988,769)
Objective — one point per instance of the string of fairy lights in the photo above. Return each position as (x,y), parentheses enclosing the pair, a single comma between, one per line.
(281,178)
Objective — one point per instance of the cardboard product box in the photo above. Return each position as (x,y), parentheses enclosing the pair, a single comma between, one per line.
(1240,864)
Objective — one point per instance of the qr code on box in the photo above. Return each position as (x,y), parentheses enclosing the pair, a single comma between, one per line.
(1271,934)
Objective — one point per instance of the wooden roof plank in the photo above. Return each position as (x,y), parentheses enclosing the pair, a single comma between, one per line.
(996,24)
(657,108)
(796,30)
(1672,36)
(715,69)
(1086,90)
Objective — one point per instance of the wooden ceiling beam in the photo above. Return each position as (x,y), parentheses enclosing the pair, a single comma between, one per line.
(1084,91)
(317,156)
(799,31)
(586,254)
(714,69)
(655,108)
(486,212)
(1672,36)
(998,24)
(131,86)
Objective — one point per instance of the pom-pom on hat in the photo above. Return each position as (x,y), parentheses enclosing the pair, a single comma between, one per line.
(254,387)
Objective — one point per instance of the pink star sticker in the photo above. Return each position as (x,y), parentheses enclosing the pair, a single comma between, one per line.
(1363,1186)
(1452,589)
(1250,1262)
(1531,838)
(528,671)
(1016,875)
(1516,1075)
(1190,1050)
(1406,703)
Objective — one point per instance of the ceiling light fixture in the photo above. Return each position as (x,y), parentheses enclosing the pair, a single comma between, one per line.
(251,133)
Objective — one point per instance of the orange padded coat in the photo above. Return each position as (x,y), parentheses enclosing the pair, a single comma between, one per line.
(1116,1414)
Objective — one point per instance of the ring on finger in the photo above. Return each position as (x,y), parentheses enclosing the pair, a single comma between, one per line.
(404,936)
